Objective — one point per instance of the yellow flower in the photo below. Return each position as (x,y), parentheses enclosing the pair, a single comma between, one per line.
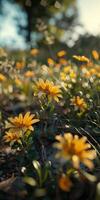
(81,58)
(72,74)
(50,62)
(67,69)
(95,55)
(79,103)
(29,74)
(92,71)
(68,74)
(63,76)
(65,183)
(75,149)
(98,71)
(18,82)
(61,53)
(49,89)
(34,52)
(22,123)
(2,77)
(85,73)
(12,137)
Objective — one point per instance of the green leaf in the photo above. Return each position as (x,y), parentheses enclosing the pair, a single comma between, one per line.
(30,181)
(36,164)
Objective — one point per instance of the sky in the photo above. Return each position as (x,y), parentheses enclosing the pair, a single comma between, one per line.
(9,35)
(88,16)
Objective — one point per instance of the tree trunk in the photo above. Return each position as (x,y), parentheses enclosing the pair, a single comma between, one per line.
(28,10)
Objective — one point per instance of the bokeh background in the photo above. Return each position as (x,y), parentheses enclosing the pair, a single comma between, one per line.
(53,24)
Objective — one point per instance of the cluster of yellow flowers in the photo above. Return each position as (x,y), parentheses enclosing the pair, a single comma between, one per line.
(47,88)
(61,85)
(68,74)
(18,126)
(53,82)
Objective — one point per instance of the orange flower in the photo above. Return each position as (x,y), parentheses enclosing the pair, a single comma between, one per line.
(81,58)
(95,55)
(20,65)
(92,71)
(48,88)
(65,183)
(63,61)
(21,122)
(61,53)
(2,77)
(34,52)
(75,149)
(58,65)
(29,74)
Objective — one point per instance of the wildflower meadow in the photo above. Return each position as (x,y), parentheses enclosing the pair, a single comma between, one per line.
(49,116)
(49,100)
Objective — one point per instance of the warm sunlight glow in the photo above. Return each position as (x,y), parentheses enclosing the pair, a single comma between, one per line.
(89,15)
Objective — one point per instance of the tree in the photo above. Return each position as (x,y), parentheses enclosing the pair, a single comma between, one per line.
(41,9)
(39,12)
